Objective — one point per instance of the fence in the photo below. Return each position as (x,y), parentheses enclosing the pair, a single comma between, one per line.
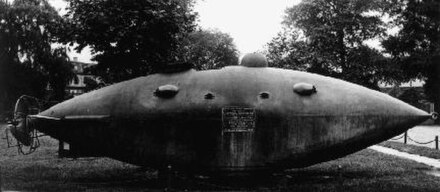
(406,137)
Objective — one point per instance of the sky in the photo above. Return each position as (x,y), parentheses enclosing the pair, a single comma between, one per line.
(251,23)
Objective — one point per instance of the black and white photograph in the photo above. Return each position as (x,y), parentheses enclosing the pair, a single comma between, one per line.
(220,95)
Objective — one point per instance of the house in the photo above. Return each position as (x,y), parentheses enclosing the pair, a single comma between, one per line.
(77,86)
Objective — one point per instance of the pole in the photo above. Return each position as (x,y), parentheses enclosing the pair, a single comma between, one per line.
(436,142)
(405,137)
(169,177)
(60,149)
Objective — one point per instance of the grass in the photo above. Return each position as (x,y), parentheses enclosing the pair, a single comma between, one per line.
(413,149)
(366,170)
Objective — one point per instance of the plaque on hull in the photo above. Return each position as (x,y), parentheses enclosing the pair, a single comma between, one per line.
(238,119)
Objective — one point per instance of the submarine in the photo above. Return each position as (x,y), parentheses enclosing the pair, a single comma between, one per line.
(243,118)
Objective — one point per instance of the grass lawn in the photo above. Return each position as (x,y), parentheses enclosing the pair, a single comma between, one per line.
(366,170)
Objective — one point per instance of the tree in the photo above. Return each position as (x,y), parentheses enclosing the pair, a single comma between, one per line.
(130,38)
(59,72)
(27,61)
(93,83)
(209,49)
(327,37)
(416,47)
(411,96)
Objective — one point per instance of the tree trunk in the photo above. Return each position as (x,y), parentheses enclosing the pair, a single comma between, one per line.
(342,51)
(59,93)
(4,64)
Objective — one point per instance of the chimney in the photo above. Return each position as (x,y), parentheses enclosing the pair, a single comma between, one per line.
(75,59)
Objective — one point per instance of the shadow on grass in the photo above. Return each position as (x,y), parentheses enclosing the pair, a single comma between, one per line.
(316,178)
(366,170)
(363,171)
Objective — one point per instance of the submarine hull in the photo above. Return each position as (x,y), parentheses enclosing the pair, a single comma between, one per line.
(201,145)
(232,119)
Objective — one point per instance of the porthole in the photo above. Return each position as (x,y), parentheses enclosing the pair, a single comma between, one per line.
(264,95)
(209,96)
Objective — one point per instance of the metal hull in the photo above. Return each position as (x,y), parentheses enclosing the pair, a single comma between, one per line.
(188,130)
(201,145)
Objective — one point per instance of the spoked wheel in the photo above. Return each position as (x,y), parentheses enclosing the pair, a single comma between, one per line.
(21,127)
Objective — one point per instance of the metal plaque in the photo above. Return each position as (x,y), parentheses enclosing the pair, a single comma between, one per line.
(238,119)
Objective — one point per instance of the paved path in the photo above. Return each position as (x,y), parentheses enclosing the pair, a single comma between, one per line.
(434,163)
(418,158)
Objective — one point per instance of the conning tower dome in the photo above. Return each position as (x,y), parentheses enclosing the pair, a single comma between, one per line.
(254,60)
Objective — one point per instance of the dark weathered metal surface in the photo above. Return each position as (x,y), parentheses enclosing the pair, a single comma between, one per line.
(220,120)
